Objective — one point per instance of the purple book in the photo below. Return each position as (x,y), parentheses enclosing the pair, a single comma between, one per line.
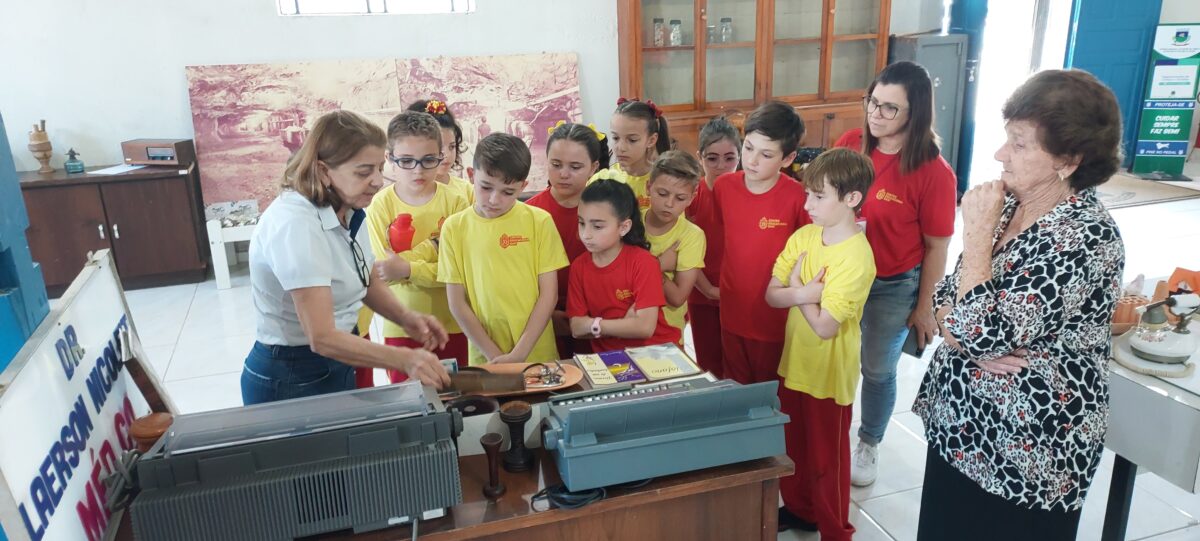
(618,363)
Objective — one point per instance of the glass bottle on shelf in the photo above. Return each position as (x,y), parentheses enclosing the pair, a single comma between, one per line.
(676,33)
(660,32)
(726,31)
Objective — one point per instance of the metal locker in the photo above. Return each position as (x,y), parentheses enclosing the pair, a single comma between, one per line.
(945,57)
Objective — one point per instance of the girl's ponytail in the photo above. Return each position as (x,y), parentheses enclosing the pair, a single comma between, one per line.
(624,204)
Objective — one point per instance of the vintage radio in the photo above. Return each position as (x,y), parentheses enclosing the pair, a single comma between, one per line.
(179,152)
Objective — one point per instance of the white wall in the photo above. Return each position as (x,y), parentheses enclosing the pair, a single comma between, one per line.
(108,71)
(1180,11)
(915,16)
(101,72)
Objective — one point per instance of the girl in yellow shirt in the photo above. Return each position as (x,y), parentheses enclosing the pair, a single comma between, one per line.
(637,134)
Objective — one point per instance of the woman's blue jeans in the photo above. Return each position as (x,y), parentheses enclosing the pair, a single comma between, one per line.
(281,372)
(884,329)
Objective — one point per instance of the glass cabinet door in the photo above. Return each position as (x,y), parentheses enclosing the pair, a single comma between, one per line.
(669,51)
(855,43)
(852,66)
(797,19)
(855,17)
(796,65)
(729,50)
(669,77)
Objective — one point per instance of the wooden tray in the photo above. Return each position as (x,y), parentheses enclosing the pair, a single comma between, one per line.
(572,375)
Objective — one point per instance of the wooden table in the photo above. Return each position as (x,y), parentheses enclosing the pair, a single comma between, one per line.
(738,501)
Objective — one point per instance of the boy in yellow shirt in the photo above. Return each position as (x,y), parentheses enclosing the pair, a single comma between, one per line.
(452,146)
(823,277)
(402,219)
(499,261)
(678,244)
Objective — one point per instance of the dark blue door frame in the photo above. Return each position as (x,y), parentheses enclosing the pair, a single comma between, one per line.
(1112,40)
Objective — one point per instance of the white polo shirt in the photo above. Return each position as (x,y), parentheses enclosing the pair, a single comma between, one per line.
(297,245)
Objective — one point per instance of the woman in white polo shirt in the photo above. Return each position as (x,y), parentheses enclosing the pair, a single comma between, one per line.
(309,274)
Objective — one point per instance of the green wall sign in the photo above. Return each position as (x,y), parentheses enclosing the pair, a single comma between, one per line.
(1170,102)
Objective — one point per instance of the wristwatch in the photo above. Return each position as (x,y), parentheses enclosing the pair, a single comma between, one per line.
(596,328)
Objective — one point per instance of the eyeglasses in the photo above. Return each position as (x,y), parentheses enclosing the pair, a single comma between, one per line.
(428,162)
(887,110)
(360,262)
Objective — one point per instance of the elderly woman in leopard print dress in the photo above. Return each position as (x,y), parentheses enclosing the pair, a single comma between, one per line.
(1015,402)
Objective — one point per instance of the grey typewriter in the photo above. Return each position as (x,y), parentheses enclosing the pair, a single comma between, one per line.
(359,460)
(608,437)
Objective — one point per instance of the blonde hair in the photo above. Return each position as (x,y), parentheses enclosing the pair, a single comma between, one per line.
(335,138)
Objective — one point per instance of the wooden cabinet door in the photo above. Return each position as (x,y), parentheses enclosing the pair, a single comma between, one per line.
(151,226)
(65,223)
(825,124)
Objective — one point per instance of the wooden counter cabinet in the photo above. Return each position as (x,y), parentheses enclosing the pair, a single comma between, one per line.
(150,218)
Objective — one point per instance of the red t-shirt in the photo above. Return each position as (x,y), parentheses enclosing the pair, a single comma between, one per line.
(566,221)
(901,208)
(757,226)
(703,212)
(632,279)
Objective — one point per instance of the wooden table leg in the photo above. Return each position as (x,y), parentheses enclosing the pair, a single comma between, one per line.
(770,509)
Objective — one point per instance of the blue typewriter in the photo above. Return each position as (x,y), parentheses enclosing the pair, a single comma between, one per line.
(607,437)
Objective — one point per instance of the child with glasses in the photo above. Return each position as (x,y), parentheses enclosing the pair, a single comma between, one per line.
(405,220)
(720,153)
(452,146)
(499,261)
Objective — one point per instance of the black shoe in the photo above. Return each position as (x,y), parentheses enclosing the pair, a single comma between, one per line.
(788,521)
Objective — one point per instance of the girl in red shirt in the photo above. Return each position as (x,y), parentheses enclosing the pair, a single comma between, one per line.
(574,153)
(616,289)
(720,153)
(909,213)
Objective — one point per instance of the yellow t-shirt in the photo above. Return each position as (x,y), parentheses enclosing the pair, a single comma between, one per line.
(826,368)
(498,261)
(692,245)
(466,189)
(638,183)
(421,291)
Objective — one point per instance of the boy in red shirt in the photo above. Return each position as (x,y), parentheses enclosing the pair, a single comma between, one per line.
(759,208)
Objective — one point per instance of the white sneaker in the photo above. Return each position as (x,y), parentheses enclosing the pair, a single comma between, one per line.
(864,464)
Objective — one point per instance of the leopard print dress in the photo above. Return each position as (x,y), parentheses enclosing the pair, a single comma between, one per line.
(1033,438)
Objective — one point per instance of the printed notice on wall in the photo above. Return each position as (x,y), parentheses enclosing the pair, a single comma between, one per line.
(1173,82)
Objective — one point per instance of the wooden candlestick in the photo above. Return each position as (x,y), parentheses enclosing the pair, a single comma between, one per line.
(518,458)
(491,445)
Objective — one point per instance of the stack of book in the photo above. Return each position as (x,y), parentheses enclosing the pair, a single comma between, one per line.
(636,365)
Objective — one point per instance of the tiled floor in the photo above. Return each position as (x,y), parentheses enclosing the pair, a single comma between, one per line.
(196,337)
